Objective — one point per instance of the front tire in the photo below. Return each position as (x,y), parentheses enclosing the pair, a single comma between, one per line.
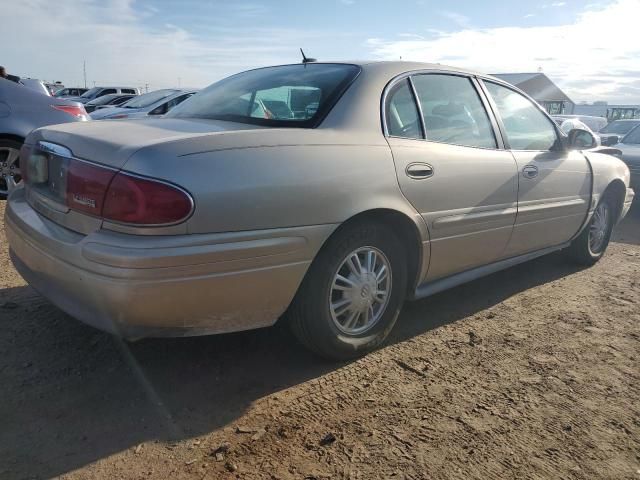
(591,244)
(352,294)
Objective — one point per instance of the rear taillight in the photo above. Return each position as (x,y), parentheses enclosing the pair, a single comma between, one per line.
(76,111)
(87,186)
(143,201)
(124,198)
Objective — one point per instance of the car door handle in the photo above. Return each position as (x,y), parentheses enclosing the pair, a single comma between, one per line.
(530,171)
(419,171)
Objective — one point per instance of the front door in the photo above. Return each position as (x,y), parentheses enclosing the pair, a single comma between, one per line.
(554,185)
(451,169)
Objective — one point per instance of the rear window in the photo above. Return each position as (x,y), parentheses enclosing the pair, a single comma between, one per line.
(101,100)
(148,99)
(619,127)
(633,136)
(287,96)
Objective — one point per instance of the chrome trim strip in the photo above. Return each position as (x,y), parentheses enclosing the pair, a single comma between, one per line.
(548,203)
(473,218)
(54,148)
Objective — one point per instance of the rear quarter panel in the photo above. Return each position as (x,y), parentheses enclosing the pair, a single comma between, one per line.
(264,187)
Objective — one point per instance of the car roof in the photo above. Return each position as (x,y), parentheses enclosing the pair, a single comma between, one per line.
(397,67)
(116,86)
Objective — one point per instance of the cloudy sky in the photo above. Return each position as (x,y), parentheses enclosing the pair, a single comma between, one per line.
(590,49)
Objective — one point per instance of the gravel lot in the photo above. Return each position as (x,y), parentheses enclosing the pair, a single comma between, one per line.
(533,372)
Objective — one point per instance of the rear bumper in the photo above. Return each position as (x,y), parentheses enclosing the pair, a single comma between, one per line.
(140,286)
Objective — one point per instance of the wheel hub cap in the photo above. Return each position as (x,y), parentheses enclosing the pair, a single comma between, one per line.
(9,169)
(360,290)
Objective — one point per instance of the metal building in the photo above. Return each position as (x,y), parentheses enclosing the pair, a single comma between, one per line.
(542,90)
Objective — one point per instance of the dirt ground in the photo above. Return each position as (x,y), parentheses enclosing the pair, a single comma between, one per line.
(533,372)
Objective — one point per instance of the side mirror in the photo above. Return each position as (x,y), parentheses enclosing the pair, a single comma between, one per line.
(581,140)
(610,140)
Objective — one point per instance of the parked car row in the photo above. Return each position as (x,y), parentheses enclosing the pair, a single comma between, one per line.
(109,100)
(153,104)
(27,105)
(96,92)
(22,110)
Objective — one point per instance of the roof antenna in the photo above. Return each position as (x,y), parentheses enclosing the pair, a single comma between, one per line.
(306,59)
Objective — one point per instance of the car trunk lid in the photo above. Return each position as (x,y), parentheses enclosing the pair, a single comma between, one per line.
(53,155)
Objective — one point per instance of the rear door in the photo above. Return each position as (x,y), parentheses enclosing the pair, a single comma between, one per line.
(451,167)
(554,184)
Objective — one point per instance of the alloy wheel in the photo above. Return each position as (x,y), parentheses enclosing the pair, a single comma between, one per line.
(599,228)
(9,169)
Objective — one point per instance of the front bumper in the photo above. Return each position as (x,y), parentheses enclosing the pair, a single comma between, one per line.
(144,286)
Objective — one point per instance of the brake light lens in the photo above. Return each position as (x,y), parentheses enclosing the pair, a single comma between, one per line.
(142,201)
(87,186)
(123,198)
(76,111)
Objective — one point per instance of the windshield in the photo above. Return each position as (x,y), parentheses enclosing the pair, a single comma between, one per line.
(290,95)
(619,127)
(103,100)
(91,92)
(633,136)
(147,99)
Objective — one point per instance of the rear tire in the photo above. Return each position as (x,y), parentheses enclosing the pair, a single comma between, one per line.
(9,166)
(352,294)
(591,244)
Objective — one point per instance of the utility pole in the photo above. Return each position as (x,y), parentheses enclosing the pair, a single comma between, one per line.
(84,72)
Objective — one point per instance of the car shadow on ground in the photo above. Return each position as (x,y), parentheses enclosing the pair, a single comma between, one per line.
(71,395)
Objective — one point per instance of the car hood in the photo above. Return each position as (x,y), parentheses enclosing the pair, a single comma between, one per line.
(112,142)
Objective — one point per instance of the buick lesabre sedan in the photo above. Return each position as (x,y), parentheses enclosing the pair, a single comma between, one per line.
(322,193)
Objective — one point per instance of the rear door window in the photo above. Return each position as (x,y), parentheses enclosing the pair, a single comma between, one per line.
(452,111)
(401,112)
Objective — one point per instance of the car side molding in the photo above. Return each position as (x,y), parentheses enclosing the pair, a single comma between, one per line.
(436,286)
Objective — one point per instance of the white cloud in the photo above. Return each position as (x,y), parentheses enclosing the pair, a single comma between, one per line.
(594,58)
(457,18)
(49,40)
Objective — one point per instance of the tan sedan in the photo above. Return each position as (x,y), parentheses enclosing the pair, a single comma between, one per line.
(327,191)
